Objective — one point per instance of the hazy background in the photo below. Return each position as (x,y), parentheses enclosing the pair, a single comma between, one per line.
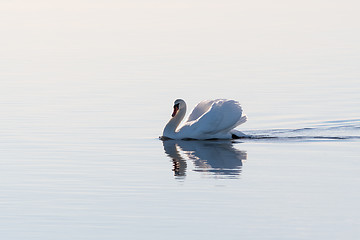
(285,61)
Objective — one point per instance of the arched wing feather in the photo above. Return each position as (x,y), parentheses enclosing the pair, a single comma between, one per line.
(221,116)
(200,109)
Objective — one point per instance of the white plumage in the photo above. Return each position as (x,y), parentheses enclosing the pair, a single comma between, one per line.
(210,119)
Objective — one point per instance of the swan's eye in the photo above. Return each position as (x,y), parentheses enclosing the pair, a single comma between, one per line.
(177,105)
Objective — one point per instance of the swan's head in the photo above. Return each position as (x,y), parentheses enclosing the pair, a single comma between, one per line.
(178,105)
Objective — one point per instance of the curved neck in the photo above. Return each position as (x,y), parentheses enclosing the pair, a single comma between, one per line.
(170,128)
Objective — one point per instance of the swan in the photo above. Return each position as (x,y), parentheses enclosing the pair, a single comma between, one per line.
(210,119)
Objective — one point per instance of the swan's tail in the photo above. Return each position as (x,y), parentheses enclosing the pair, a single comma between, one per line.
(236,134)
(242,120)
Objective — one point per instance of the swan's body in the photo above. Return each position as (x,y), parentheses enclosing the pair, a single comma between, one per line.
(210,119)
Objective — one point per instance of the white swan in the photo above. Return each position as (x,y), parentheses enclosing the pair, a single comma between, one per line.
(210,119)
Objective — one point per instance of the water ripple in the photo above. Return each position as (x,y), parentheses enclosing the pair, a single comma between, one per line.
(327,130)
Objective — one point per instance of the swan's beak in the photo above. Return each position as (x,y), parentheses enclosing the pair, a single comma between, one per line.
(176,108)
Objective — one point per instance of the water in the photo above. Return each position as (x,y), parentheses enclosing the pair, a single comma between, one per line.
(87,87)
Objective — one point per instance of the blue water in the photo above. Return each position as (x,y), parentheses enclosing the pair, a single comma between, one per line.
(87,87)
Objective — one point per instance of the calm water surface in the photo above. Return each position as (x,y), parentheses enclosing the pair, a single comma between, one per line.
(86,89)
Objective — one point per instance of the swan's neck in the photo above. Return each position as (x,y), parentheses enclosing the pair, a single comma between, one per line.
(171,126)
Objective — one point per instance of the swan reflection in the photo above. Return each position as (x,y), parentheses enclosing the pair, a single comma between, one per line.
(218,159)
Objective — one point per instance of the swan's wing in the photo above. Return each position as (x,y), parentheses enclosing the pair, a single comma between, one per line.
(200,109)
(222,116)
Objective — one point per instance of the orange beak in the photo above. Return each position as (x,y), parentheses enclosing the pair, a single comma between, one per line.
(176,108)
